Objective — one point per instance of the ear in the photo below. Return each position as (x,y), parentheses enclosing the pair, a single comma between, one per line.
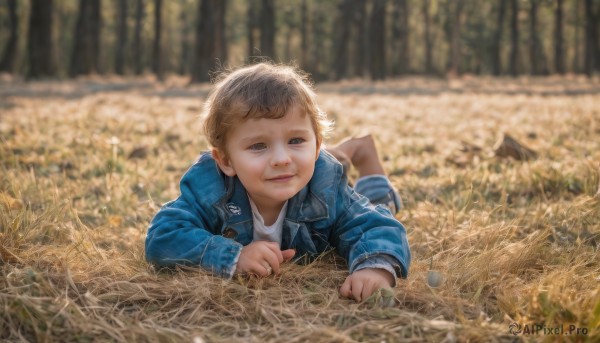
(223,162)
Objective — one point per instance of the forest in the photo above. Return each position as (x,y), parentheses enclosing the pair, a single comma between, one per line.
(332,40)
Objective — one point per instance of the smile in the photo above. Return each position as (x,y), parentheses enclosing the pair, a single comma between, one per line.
(281,178)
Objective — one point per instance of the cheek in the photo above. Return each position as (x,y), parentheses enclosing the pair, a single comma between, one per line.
(250,166)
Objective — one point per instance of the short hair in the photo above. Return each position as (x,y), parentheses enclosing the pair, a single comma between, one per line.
(258,91)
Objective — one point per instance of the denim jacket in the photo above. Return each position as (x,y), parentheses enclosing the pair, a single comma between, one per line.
(210,222)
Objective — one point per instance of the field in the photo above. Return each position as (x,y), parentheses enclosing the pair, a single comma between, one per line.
(85,164)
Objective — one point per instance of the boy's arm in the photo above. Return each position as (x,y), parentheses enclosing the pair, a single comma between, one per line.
(184,232)
(367,235)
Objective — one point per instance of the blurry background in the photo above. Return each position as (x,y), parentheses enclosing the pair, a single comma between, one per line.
(331,39)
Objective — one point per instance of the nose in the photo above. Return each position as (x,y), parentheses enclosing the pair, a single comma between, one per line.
(281,157)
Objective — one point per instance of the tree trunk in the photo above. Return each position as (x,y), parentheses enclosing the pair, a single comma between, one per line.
(205,41)
(95,34)
(377,40)
(401,63)
(138,52)
(361,46)
(340,43)
(319,39)
(577,56)
(427,37)
(303,34)
(220,40)
(596,38)
(10,50)
(497,44)
(251,26)
(514,39)
(121,48)
(455,43)
(185,40)
(157,63)
(559,57)
(590,38)
(85,57)
(533,39)
(267,29)
(39,40)
(399,37)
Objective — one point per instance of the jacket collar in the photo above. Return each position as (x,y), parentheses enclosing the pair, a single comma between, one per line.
(305,206)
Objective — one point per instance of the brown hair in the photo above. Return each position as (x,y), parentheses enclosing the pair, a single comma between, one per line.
(259,91)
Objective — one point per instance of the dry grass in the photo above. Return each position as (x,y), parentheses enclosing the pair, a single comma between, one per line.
(515,241)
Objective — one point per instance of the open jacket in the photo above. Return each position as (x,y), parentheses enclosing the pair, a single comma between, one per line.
(210,222)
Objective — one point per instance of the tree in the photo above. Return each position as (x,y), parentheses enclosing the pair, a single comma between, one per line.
(537,59)
(577,56)
(39,40)
(221,53)
(137,38)
(591,39)
(204,41)
(303,34)
(7,63)
(251,28)
(157,60)
(455,39)
(121,48)
(559,58)
(210,38)
(400,38)
(361,44)
(85,56)
(377,40)
(427,37)
(185,58)
(497,43)
(514,39)
(267,29)
(318,34)
(342,35)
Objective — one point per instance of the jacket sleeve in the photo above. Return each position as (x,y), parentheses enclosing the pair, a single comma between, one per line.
(363,231)
(185,232)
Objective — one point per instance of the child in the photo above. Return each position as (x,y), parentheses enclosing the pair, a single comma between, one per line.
(267,192)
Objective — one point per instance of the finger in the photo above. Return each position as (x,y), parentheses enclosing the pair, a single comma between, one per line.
(357,287)
(271,258)
(368,289)
(288,254)
(345,290)
(274,247)
(257,269)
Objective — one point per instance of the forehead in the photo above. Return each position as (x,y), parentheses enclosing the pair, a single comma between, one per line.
(296,120)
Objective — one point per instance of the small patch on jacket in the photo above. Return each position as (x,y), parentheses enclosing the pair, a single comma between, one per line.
(234,209)
(229,233)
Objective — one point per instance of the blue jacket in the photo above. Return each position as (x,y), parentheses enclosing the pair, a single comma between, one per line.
(210,222)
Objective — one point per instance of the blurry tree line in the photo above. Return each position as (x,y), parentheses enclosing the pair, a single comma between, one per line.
(331,39)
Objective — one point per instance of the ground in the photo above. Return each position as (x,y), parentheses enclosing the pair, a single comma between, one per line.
(85,164)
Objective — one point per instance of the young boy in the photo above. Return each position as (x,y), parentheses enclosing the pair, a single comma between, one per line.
(267,192)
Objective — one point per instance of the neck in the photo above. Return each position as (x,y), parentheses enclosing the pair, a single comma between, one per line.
(269,212)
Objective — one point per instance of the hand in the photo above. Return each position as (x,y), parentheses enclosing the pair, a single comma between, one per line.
(262,258)
(361,284)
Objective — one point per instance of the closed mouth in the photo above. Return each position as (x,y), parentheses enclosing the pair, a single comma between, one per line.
(281,178)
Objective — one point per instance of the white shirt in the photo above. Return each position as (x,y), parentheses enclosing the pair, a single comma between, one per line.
(263,232)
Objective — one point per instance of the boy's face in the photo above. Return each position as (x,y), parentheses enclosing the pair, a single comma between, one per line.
(273,158)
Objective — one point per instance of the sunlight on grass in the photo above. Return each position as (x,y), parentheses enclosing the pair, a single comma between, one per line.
(81,177)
